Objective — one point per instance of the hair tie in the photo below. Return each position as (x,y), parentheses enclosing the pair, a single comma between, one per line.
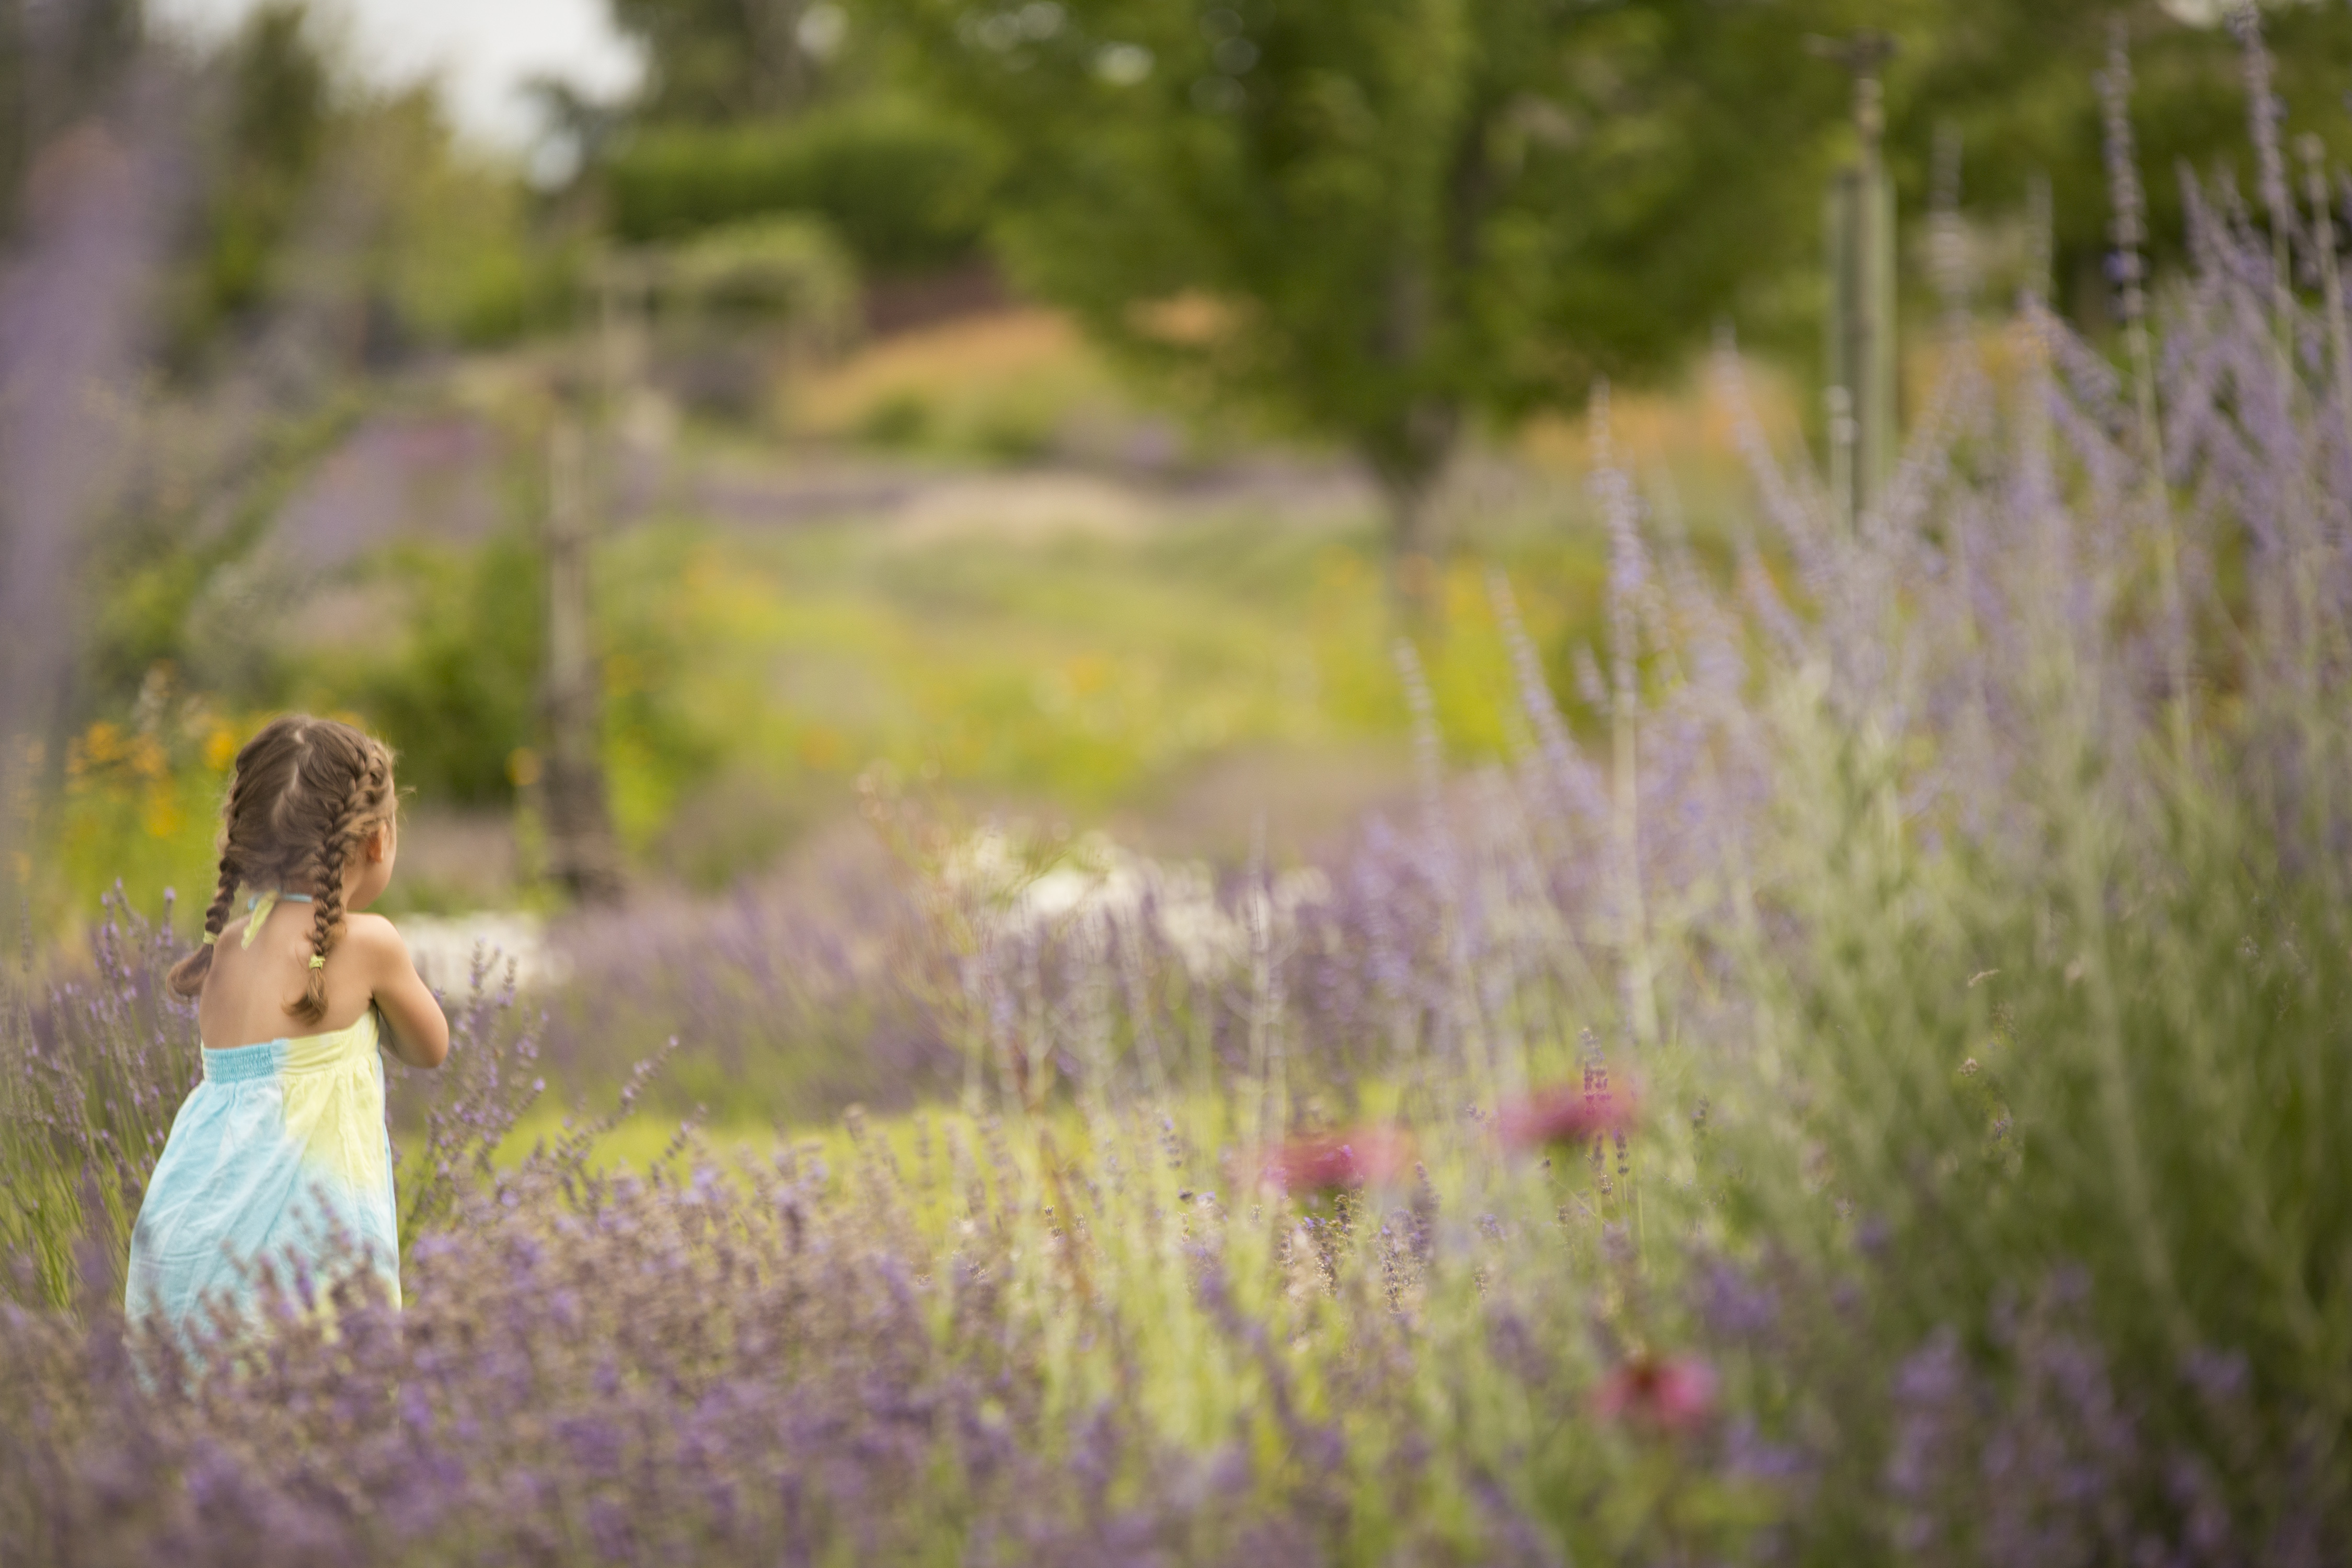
(318,961)
(211,937)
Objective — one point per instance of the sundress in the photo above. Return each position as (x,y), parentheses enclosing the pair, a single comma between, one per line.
(278,1157)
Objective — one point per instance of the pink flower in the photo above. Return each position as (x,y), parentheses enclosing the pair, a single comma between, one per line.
(1675,1393)
(1564,1114)
(1365,1156)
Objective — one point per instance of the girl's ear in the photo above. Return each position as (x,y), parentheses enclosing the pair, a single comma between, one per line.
(379,843)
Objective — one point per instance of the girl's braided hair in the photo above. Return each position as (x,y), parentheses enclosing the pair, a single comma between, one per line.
(305,794)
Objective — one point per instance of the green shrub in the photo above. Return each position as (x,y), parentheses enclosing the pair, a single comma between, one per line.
(775,270)
(901,418)
(459,696)
(906,192)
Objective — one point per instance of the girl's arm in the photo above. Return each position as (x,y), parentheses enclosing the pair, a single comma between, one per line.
(420,1035)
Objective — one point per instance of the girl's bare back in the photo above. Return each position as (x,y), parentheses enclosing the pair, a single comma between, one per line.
(245,996)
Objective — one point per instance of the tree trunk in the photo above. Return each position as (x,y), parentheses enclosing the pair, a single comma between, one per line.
(1408,462)
(1415,553)
(581,851)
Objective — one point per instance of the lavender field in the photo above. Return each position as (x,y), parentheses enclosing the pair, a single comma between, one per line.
(1879,1095)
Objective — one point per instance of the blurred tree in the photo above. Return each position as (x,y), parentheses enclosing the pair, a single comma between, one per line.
(1379,219)
(364,203)
(714,60)
(454,257)
(276,117)
(758,109)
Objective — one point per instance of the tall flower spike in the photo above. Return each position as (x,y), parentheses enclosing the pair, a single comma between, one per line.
(2128,231)
(1947,243)
(1629,558)
(2038,224)
(2263,117)
(1574,791)
(2126,201)
(1629,577)
(1428,746)
(2331,279)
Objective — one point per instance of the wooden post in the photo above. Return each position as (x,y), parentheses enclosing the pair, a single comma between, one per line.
(581,851)
(1862,362)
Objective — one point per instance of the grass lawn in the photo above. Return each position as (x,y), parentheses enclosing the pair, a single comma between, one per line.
(1079,677)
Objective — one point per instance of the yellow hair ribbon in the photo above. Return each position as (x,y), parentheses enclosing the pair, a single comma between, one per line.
(318,961)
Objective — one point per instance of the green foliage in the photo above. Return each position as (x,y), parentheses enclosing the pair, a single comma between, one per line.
(457,260)
(455,692)
(1377,220)
(2128,1055)
(785,270)
(662,738)
(195,597)
(1374,220)
(731,305)
(139,808)
(906,190)
(273,129)
(717,60)
(1015,386)
(433,242)
(2017,81)
(749,679)
(900,418)
(457,697)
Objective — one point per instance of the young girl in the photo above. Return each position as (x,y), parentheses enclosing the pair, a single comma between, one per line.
(280,1154)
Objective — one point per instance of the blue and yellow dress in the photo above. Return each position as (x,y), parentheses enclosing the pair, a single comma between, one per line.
(279,1156)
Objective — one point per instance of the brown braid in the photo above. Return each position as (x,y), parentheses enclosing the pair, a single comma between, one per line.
(187,976)
(261,759)
(363,808)
(305,794)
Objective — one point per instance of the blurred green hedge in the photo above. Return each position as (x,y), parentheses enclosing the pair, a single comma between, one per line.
(906,192)
(458,694)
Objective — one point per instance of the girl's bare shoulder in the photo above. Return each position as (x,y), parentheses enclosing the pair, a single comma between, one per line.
(373,938)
